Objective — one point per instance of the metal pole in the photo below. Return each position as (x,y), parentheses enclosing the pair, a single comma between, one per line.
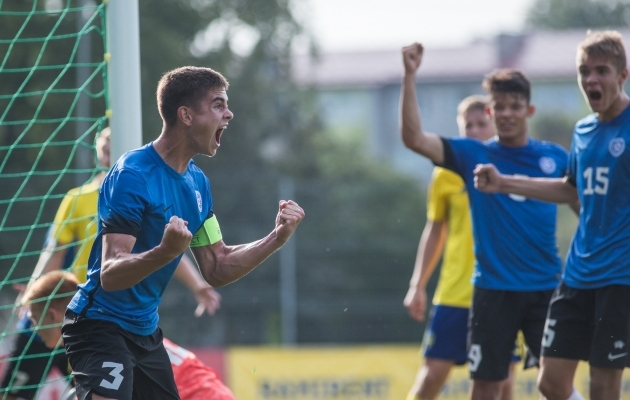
(124,76)
(288,286)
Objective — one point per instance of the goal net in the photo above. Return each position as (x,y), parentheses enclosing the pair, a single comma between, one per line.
(53,102)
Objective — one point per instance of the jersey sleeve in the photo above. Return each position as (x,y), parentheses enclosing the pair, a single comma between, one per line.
(62,231)
(123,199)
(436,206)
(461,155)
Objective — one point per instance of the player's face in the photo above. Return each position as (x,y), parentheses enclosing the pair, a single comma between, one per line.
(102,151)
(209,121)
(476,124)
(601,82)
(50,335)
(510,112)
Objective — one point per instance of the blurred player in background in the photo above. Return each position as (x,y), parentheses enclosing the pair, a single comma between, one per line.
(517,265)
(448,231)
(589,315)
(47,299)
(73,233)
(154,204)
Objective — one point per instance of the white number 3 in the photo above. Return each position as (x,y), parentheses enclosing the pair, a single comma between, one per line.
(115,373)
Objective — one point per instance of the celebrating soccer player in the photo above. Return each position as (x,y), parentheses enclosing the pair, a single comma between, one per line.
(517,265)
(448,229)
(155,203)
(589,314)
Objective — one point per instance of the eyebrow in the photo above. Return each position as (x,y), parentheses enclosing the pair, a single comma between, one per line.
(219,98)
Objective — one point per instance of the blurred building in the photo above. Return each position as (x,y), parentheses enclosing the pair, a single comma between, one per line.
(360,91)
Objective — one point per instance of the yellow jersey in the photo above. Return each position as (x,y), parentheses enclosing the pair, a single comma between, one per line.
(448,201)
(76,222)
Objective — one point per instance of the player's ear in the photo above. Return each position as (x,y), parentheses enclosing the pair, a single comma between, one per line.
(531,109)
(56,316)
(623,75)
(184,115)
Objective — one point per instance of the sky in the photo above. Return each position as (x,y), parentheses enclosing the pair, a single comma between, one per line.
(355,25)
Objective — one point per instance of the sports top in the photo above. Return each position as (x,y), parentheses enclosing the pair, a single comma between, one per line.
(599,167)
(447,200)
(515,237)
(76,223)
(138,197)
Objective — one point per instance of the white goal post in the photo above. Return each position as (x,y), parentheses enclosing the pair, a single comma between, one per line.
(123,42)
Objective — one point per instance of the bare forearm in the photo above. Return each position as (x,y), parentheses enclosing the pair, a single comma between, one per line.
(226,264)
(553,190)
(429,253)
(411,130)
(49,260)
(126,269)
(413,136)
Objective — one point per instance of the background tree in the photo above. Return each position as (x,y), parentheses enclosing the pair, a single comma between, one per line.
(567,14)
(355,250)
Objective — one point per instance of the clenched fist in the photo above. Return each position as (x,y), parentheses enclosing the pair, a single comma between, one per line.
(290,214)
(176,237)
(412,57)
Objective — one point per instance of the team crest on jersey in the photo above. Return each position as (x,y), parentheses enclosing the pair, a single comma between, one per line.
(199,202)
(616,146)
(547,165)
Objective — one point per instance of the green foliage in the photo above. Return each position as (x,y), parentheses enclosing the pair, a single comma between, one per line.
(363,221)
(554,127)
(356,246)
(567,14)
(265,102)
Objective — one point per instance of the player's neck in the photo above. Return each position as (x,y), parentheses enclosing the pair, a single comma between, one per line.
(98,179)
(616,108)
(520,140)
(174,150)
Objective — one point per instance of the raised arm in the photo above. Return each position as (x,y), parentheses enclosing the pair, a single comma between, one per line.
(413,136)
(121,269)
(221,264)
(429,252)
(554,190)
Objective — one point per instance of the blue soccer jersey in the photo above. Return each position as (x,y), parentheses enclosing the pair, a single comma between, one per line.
(599,167)
(138,197)
(515,237)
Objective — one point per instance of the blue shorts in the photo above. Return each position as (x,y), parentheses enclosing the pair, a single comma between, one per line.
(446,335)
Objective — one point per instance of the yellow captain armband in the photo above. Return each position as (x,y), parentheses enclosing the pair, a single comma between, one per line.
(209,233)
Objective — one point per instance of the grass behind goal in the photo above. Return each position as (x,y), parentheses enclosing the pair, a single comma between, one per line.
(53,101)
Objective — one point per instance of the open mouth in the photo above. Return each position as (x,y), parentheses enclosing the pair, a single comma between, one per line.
(217,135)
(594,95)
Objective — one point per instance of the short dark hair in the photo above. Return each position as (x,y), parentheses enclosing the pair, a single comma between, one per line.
(605,44)
(186,86)
(509,81)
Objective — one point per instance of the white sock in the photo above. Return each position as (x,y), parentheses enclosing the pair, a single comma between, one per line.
(575,395)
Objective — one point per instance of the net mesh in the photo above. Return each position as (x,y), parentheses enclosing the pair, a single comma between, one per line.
(53,103)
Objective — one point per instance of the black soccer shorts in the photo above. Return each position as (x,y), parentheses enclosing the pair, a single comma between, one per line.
(112,362)
(589,324)
(496,316)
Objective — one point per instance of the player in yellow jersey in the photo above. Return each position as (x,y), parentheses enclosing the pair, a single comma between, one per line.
(74,229)
(448,231)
